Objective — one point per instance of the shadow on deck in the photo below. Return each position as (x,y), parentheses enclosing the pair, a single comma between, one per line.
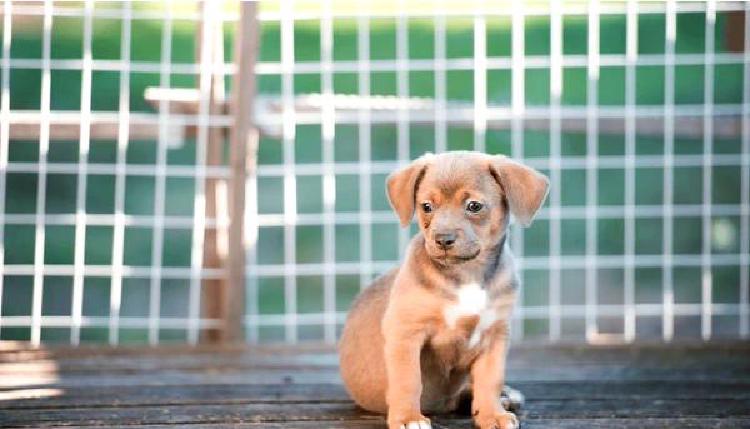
(644,386)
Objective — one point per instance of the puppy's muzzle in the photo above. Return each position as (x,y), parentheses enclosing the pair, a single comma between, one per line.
(445,240)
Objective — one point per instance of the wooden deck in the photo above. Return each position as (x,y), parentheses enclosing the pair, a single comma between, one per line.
(647,386)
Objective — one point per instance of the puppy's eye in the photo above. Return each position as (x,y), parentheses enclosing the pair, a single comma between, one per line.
(427,207)
(474,206)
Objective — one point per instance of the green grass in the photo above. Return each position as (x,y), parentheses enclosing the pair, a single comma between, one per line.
(61,191)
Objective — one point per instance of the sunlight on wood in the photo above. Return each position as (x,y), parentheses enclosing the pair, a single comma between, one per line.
(12,395)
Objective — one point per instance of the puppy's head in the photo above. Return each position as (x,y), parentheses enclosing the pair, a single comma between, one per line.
(464,200)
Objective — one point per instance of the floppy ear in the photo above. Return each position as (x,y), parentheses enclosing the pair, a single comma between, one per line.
(402,188)
(524,187)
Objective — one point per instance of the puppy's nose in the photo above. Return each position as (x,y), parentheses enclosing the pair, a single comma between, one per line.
(445,239)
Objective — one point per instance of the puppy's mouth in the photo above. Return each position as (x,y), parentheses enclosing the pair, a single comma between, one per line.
(447,258)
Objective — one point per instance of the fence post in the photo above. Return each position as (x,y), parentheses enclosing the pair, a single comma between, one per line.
(242,154)
(214,248)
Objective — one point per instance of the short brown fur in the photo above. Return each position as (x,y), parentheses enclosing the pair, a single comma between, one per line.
(424,334)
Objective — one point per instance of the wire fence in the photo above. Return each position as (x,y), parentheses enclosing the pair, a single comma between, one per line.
(114,179)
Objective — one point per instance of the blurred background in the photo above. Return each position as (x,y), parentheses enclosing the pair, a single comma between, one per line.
(115,198)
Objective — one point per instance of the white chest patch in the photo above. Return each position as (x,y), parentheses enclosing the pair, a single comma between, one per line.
(472,301)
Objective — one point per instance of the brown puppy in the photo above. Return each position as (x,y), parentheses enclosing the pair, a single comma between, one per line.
(436,328)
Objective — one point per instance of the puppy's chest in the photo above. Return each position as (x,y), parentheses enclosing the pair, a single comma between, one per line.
(468,317)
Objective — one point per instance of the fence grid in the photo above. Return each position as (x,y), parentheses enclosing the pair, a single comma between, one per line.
(646,233)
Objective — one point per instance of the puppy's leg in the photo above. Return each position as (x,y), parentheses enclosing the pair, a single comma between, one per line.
(402,360)
(488,377)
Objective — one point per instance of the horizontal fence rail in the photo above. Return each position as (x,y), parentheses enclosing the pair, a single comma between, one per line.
(119,172)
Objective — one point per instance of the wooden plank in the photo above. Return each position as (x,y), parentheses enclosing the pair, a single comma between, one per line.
(203,354)
(636,408)
(182,395)
(628,423)
(154,365)
(323,424)
(266,376)
(14,351)
(441,423)
(315,411)
(115,364)
(313,375)
(214,366)
(521,355)
(180,415)
(99,396)
(303,362)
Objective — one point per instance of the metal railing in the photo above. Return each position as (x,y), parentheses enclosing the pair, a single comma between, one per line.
(629,246)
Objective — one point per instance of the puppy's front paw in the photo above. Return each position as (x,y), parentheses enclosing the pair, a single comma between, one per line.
(503,420)
(420,422)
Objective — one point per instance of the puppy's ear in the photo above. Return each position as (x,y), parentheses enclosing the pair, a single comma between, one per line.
(524,187)
(402,188)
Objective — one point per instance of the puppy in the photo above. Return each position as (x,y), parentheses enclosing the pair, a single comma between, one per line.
(435,329)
